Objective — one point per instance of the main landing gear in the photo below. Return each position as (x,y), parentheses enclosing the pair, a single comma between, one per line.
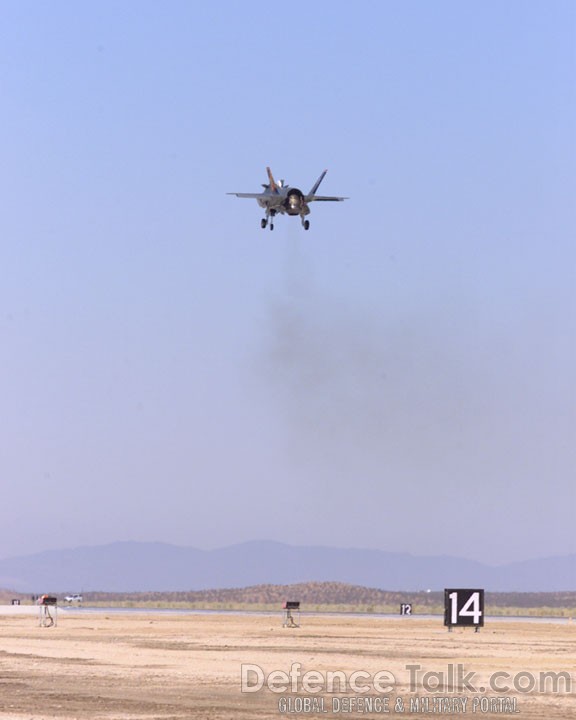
(264,221)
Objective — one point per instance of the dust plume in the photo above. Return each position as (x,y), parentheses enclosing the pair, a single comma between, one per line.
(350,383)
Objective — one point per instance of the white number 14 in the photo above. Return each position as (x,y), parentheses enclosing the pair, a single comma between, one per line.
(470,609)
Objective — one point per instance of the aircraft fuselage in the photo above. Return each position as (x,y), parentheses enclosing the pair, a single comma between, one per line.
(287,200)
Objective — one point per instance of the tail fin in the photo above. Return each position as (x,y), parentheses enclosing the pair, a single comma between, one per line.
(273,186)
(317,184)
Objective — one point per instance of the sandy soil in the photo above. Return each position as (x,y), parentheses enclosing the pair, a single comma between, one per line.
(151,666)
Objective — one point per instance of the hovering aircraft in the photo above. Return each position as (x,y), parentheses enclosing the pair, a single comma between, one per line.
(283,199)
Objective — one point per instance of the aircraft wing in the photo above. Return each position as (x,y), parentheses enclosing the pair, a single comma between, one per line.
(247,195)
(325,198)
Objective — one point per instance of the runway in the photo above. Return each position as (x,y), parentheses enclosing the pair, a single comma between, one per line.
(160,666)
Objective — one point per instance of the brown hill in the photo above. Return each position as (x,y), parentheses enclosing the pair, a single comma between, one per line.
(329,595)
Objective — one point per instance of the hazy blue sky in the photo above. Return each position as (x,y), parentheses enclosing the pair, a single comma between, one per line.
(402,376)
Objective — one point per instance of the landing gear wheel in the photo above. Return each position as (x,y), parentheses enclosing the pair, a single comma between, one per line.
(271,226)
(306,224)
(263,223)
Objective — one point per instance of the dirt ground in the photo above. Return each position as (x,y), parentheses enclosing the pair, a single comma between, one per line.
(166,666)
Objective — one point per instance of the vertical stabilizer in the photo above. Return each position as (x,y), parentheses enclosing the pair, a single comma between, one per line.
(273,186)
(317,184)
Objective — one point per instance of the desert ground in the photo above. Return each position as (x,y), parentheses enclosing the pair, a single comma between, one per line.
(148,666)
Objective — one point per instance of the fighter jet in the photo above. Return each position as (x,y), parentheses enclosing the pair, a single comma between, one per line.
(281,198)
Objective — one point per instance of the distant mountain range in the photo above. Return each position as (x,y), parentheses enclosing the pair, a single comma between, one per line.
(135,566)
